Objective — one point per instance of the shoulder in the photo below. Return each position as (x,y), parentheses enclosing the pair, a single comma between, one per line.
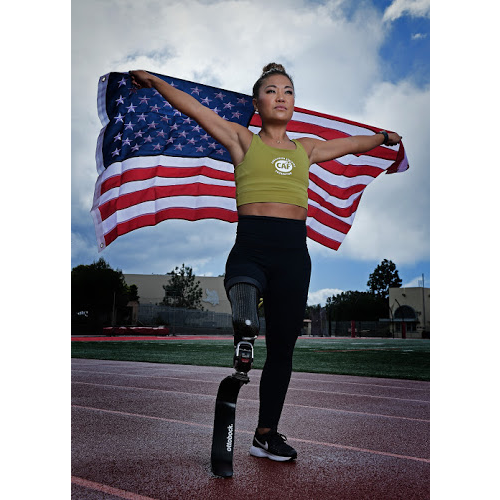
(308,144)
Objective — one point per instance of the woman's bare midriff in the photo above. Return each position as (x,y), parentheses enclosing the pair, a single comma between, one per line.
(282,210)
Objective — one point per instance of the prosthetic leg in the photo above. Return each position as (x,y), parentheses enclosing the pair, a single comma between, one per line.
(244,301)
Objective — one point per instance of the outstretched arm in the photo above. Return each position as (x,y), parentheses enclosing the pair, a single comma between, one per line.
(320,151)
(234,137)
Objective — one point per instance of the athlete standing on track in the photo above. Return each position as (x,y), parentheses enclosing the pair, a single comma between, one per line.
(270,257)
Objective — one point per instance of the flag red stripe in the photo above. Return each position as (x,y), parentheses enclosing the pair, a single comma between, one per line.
(255,121)
(311,128)
(141,174)
(399,158)
(341,212)
(296,125)
(328,220)
(190,214)
(323,240)
(351,171)
(125,201)
(338,192)
(158,192)
(333,120)
(338,119)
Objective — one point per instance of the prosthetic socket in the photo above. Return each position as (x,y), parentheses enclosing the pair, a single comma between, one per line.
(244,304)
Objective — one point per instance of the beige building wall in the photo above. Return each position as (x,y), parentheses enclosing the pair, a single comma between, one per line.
(418,299)
(150,290)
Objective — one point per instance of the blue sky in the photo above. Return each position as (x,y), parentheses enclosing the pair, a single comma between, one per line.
(363,60)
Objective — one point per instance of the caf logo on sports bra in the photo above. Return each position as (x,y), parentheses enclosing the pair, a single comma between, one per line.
(284,166)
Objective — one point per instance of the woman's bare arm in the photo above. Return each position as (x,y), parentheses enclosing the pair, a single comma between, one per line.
(234,137)
(320,151)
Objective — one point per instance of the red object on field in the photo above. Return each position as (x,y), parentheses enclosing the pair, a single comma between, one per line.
(353,328)
(136,330)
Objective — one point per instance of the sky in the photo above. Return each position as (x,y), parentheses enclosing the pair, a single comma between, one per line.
(367,61)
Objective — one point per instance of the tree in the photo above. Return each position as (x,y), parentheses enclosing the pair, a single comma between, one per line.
(384,276)
(354,305)
(183,290)
(99,295)
(133,293)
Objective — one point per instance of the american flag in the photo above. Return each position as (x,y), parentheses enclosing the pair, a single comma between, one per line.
(154,163)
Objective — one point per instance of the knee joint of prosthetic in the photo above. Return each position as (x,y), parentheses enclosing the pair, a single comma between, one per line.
(244,304)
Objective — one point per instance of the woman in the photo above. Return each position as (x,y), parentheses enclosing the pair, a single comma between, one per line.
(270,257)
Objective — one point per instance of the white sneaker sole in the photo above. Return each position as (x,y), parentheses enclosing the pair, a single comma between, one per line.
(259,452)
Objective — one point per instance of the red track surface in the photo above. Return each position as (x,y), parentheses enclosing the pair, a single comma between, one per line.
(143,431)
(145,337)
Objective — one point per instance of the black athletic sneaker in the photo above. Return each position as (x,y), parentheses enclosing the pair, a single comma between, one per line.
(272,445)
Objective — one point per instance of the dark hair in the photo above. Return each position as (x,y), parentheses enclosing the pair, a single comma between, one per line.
(268,70)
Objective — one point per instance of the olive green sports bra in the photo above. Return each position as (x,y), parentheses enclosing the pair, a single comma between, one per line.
(269,174)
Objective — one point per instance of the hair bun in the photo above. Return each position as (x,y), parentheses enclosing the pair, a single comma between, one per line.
(273,67)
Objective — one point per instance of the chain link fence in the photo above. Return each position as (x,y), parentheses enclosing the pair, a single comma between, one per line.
(362,329)
(192,321)
(188,321)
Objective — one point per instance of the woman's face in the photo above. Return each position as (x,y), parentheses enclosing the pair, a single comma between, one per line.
(276,98)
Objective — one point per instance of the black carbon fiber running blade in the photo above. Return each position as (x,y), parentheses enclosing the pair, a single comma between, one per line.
(224,421)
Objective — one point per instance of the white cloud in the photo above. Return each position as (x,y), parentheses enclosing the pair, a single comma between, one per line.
(320,296)
(392,220)
(394,211)
(399,8)
(417,282)
(190,40)
(202,245)
(82,250)
(336,66)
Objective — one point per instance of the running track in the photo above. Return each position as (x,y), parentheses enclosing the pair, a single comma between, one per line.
(143,431)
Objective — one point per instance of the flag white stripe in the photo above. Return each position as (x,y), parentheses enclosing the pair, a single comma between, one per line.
(331,123)
(135,186)
(101,100)
(326,231)
(340,181)
(103,116)
(338,202)
(163,161)
(348,220)
(151,207)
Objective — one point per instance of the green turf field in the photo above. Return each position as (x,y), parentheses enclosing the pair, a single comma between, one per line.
(391,358)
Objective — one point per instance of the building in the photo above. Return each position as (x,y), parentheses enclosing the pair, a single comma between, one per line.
(410,312)
(409,307)
(150,290)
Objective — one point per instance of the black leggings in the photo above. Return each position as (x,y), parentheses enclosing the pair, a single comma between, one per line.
(271,254)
